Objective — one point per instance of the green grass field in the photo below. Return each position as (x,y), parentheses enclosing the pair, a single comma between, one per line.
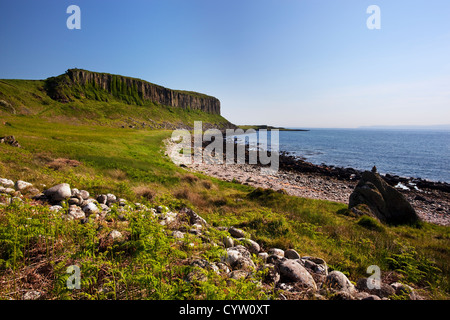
(131,164)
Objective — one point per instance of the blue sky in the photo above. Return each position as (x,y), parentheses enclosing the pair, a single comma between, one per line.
(301,63)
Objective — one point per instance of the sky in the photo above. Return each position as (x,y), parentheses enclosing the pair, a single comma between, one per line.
(292,63)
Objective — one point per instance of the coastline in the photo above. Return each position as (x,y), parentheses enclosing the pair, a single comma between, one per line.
(296,177)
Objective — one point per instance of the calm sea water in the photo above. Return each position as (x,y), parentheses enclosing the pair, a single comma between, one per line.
(409,153)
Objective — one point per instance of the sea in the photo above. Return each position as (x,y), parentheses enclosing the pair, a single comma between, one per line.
(407,153)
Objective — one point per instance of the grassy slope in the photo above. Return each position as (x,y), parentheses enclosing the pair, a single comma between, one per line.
(28,97)
(131,162)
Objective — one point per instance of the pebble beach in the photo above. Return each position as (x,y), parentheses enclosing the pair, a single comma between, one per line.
(432,206)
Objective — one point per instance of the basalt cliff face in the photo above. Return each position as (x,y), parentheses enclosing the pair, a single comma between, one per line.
(80,83)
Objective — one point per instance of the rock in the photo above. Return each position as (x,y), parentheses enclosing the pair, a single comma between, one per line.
(6,183)
(74,201)
(177,234)
(9,191)
(194,217)
(315,260)
(168,218)
(383,292)
(292,271)
(32,295)
(276,251)
(201,263)
(404,289)
(236,233)
(263,256)
(239,257)
(55,208)
(337,281)
(122,202)
(383,201)
(273,258)
(251,245)
(10,140)
(314,267)
(59,192)
(197,275)
(371,297)
(222,267)
(110,199)
(84,194)
(271,274)
(162,209)
(342,295)
(102,199)
(291,254)
(75,212)
(228,242)
(115,235)
(22,185)
(90,208)
(238,274)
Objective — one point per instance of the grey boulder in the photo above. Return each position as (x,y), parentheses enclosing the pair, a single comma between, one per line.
(59,192)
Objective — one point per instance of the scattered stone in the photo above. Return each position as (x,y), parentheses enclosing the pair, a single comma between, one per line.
(384,290)
(238,274)
(276,251)
(90,208)
(271,274)
(22,185)
(74,201)
(337,281)
(102,199)
(292,271)
(11,141)
(75,212)
(314,267)
(84,194)
(263,256)
(228,242)
(239,257)
(404,289)
(110,199)
(55,208)
(178,234)
(32,295)
(59,192)
(6,183)
(197,275)
(10,191)
(371,297)
(236,233)
(115,235)
(291,254)
(194,217)
(251,245)
(161,209)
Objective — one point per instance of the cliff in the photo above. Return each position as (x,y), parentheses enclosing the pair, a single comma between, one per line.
(78,83)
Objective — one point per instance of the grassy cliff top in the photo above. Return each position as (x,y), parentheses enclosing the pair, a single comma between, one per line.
(77,103)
